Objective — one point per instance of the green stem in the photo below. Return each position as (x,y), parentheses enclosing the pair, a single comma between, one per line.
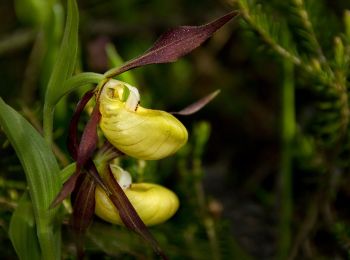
(50,248)
(288,128)
(208,221)
(76,81)
(69,85)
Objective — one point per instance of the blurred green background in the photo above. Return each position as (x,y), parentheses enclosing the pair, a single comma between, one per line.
(229,185)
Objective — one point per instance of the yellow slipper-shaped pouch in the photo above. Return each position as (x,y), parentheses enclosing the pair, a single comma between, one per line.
(136,131)
(154,203)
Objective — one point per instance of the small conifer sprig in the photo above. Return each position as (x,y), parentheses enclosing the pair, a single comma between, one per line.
(294,38)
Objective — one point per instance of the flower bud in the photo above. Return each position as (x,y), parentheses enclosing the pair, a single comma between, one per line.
(136,131)
(153,203)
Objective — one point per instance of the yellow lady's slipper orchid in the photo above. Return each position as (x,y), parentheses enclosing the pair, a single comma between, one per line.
(136,131)
(153,203)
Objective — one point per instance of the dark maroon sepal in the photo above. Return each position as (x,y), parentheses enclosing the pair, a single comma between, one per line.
(73,140)
(128,213)
(83,210)
(89,139)
(196,106)
(66,190)
(174,44)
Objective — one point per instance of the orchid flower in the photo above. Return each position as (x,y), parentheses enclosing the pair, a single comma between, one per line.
(100,186)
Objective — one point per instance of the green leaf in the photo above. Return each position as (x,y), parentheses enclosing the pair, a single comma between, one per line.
(66,58)
(67,172)
(63,68)
(22,231)
(41,169)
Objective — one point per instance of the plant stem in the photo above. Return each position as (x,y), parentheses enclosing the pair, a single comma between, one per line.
(208,221)
(287,135)
(69,85)
(50,242)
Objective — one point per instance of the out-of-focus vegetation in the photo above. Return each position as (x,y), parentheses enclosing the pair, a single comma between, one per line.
(265,176)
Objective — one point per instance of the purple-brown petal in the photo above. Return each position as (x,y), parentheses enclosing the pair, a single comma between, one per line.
(198,105)
(89,139)
(66,190)
(128,213)
(83,210)
(174,44)
(73,141)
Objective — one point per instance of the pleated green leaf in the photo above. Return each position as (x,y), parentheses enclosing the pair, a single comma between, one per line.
(41,169)
(22,231)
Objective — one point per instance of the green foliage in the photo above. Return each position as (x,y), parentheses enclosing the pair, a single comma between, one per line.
(275,34)
(325,77)
(281,120)
(41,170)
(63,68)
(66,59)
(320,54)
(22,231)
